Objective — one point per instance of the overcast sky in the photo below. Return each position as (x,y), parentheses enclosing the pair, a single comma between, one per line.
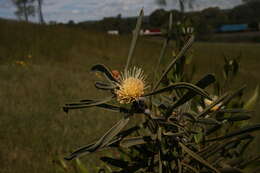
(81,10)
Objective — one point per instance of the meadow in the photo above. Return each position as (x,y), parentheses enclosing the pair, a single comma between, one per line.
(55,69)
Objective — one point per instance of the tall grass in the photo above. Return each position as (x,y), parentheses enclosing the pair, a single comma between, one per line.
(34,130)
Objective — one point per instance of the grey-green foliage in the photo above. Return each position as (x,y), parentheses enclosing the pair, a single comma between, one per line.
(184,128)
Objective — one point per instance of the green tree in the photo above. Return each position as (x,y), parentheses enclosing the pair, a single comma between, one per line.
(25,8)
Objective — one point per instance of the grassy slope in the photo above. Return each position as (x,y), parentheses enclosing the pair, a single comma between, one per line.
(34,130)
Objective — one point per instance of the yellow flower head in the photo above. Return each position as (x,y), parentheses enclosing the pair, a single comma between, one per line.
(131,86)
(22,63)
(209,102)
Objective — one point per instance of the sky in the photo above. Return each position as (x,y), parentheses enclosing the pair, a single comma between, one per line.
(82,10)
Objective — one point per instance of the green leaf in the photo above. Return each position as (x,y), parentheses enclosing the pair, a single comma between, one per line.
(81,167)
(212,129)
(230,170)
(208,121)
(253,100)
(235,110)
(180,55)
(128,132)
(203,83)
(104,141)
(246,129)
(221,146)
(88,103)
(197,157)
(181,85)
(251,164)
(234,118)
(129,142)
(190,167)
(198,137)
(104,86)
(162,54)
(134,39)
(233,94)
(163,50)
(191,116)
(115,162)
(106,71)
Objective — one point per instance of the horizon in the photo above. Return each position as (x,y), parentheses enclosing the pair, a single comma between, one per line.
(91,10)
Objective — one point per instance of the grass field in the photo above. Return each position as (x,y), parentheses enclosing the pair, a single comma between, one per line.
(34,129)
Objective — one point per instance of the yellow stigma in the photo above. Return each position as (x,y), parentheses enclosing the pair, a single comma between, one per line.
(131,86)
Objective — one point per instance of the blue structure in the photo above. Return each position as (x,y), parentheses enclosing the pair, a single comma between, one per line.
(233,28)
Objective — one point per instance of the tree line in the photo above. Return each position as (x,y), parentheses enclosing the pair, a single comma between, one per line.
(204,22)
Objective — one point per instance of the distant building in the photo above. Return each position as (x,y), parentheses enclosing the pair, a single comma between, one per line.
(113,32)
(151,32)
(233,28)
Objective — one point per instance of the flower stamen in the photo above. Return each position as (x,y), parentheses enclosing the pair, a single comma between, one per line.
(131,86)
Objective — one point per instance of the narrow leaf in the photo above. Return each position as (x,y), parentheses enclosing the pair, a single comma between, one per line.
(180,55)
(235,110)
(209,121)
(115,162)
(246,129)
(104,86)
(89,148)
(102,142)
(190,167)
(234,118)
(233,94)
(203,83)
(113,132)
(197,157)
(165,45)
(129,142)
(253,100)
(212,129)
(134,39)
(128,132)
(230,170)
(182,85)
(106,71)
(87,104)
(81,167)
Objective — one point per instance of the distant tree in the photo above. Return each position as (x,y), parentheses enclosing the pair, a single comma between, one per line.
(247,12)
(214,16)
(248,1)
(182,3)
(40,14)
(158,17)
(71,23)
(25,8)
(52,22)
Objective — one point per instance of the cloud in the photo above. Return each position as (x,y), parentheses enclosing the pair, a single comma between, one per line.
(79,10)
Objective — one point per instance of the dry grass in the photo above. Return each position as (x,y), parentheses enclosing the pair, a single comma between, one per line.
(34,130)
